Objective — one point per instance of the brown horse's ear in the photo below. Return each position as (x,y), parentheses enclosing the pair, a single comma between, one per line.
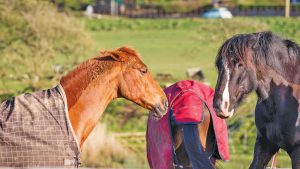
(118,56)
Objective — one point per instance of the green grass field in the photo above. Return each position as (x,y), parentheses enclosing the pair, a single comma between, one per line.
(172,46)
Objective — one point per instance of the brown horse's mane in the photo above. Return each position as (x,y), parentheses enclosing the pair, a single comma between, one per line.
(105,58)
(262,49)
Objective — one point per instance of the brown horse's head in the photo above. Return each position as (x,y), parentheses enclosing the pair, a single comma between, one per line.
(136,83)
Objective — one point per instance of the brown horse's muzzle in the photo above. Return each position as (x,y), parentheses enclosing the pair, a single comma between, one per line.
(160,110)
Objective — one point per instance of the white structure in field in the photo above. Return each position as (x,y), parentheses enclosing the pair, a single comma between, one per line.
(89,11)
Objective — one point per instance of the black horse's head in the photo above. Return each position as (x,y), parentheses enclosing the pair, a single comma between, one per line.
(247,62)
(237,74)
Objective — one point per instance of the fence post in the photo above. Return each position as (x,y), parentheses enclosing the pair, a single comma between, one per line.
(287,8)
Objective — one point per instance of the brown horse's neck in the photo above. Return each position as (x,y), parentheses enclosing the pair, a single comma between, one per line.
(88,90)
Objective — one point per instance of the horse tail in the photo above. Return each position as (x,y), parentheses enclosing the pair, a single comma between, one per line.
(198,157)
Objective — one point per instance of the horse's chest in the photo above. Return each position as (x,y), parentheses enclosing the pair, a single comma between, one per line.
(278,123)
(274,133)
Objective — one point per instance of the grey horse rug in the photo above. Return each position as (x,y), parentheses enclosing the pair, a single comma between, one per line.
(35,131)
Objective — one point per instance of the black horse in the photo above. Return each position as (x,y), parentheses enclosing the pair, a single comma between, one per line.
(269,65)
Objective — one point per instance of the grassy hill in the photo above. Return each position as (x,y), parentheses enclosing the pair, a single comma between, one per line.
(35,38)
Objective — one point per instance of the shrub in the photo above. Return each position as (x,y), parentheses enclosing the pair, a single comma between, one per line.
(34,38)
(101,149)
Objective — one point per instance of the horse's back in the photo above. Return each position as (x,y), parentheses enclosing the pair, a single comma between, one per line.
(34,131)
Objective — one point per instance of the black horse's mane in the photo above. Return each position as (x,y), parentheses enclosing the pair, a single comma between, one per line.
(266,48)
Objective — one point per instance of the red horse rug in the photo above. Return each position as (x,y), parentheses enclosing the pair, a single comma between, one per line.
(187,100)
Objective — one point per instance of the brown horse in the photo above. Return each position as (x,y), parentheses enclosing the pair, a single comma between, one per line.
(93,84)
(49,127)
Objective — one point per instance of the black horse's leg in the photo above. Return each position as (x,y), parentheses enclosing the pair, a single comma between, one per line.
(263,152)
(295,156)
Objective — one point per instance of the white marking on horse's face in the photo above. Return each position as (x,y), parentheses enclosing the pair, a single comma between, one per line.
(225,96)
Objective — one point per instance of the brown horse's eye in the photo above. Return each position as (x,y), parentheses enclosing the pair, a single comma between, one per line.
(144,70)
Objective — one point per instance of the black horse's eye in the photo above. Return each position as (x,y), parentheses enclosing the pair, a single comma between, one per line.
(240,65)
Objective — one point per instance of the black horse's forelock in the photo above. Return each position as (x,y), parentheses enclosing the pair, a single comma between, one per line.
(265,47)
(233,50)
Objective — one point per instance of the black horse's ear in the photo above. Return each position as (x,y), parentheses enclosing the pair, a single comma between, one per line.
(255,43)
(292,48)
(262,40)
